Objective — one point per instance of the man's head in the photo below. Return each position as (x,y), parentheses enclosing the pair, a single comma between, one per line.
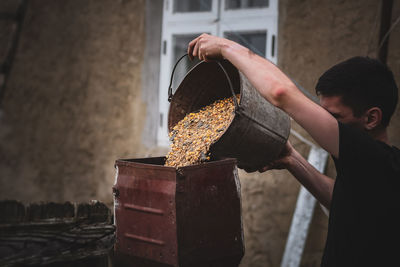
(360,91)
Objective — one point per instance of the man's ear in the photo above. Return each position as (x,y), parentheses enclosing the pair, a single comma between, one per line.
(373,118)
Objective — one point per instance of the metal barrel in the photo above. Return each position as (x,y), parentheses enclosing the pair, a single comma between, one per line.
(185,217)
(259,130)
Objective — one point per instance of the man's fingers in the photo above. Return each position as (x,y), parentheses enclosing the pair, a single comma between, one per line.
(264,169)
(191,47)
(203,48)
(202,54)
(190,50)
(247,170)
(196,49)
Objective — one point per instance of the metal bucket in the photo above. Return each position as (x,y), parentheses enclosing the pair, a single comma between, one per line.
(190,216)
(258,131)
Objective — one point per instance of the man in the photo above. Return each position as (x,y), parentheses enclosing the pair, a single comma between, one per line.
(358,98)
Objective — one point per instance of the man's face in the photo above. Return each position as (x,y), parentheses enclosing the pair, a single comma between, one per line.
(342,112)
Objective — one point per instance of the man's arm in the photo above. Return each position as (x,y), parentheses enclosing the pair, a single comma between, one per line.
(318,184)
(273,85)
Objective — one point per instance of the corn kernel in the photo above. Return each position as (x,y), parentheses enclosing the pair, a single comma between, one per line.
(197,131)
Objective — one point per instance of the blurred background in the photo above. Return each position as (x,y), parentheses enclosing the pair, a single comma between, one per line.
(84,82)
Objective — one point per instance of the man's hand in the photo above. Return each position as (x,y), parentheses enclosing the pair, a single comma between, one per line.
(318,184)
(283,160)
(206,47)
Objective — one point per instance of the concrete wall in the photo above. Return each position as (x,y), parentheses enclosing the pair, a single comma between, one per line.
(73,103)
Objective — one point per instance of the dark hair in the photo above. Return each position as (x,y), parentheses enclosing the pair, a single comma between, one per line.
(362,83)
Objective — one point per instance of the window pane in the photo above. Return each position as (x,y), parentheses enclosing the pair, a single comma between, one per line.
(239,4)
(180,44)
(192,5)
(254,40)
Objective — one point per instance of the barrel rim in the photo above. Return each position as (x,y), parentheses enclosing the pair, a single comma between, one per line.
(131,162)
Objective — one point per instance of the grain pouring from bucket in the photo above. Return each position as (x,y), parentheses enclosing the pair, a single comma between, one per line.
(197,131)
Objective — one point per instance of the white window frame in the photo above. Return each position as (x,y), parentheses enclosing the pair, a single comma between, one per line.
(243,20)
(205,16)
(270,10)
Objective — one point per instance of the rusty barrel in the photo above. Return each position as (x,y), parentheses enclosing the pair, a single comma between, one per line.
(190,216)
(258,131)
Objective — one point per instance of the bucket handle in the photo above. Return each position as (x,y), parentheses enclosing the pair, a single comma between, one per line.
(170,95)
(172,76)
(230,86)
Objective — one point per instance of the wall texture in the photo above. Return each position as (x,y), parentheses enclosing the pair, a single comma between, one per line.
(73,102)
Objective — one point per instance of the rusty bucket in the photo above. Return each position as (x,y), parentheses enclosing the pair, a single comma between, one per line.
(258,131)
(190,216)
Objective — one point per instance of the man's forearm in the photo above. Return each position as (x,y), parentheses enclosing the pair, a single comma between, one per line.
(318,184)
(279,90)
(269,80)
(273,85)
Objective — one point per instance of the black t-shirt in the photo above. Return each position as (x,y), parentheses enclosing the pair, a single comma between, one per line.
(364,224)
